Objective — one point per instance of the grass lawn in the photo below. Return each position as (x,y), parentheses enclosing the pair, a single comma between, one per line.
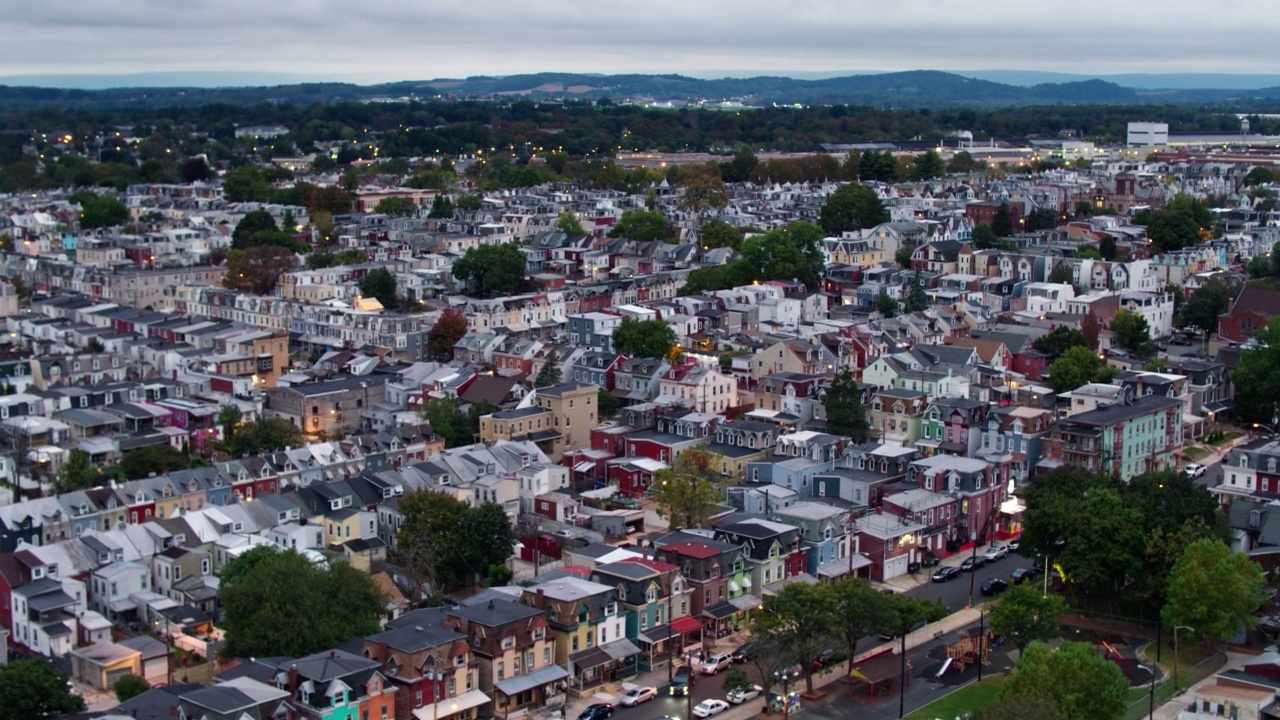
(969,698)
(1194,453)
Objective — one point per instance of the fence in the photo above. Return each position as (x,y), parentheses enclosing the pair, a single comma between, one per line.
(1164,689)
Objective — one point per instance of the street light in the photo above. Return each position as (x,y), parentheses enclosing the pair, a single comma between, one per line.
(786,675)
(1263,426)
(1176,628)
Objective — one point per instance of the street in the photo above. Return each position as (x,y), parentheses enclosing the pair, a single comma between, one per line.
(955,593)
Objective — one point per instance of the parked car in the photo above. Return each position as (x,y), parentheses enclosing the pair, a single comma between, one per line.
(599,711)
(635,696)
(716,663)
(1022,574)
(744,653)
(994,586)
(681,682)
(565,534)
(972,563)
(827,657)
(1194,470)
(946,573)
(1014,545)
(1179,340)
(995,552)
(737,697)
(710,707)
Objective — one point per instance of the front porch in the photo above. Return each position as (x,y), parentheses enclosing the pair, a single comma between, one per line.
(542,688)
(666,643)
(595,668)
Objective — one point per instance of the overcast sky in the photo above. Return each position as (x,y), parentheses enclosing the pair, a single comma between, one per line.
(421,39)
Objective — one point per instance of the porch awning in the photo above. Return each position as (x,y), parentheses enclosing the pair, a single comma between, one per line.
(593,657)
(620,649)
(686,624)
(745,602)
(841,567)
(1012,506)
(451,706)
(529,681)
(584,466)
(656,635)
(721,611)
(1218,406)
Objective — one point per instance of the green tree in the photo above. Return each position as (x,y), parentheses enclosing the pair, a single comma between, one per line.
(1058,340)
(264,435)
(76,473)
(1076,366)
(853,206)
(257,270)
(1033,706)
(449,422)
(157,459)
(794,253)
(1259,176)
(130,686)
(492,269)
(843,404)
(470,203)
(1026,615)
(915,299)
(1002,221)
(927,166)
(984,238)
(100,210)
(34,688)
(886,305)
(688,492)
(322,223)
(735,680)
(380,283)
(802,617)
(286,605)
(962,162)
(644,338)
(740,168)
(548,374)
(445,543)
(1214,590)
(195,170)
(1206,304)
(1257,376)
(903,256)
(396,206)
(1083,684)
(441,208)
(1179,223)
(860,611)
(702,189)
(606,404)
(1107,248)
(642,226)
(445,333)
(253,222)
(716,233)
(568,223)
(1130,331)
(1042,219)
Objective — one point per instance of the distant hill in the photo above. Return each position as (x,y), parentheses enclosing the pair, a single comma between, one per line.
(920,88)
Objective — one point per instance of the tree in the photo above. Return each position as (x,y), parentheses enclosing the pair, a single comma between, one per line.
(1076,366)
(396,206)
(1179,223)
(129,686)
(903,256)
(861,610)
(1257,377)
(470,203)
(1090,329)
(802,617)
(1025,615)
(739,169)
(984,238)
(441,208)
(76,473)
(1033,706)
(445,333)
(915,299)
(1130,331)
(443,542)
(264,435)
(568,224)
(1107,248)
(257,270)
(286,605)
(642,226)
(100,210)
(492,269)
(1214,590)
(1259,176)
(1206,304)
(1083,684)
(1058,340)
(886,305)
(253,222)
(322,224)
(927,166)
(843,404)
(1002,221)
(716,233)
(153,459)
(548,374)
(853,206)
(1042,219)
(792,254)
(702,189)
(34,688)
(195,169)
(644,338)
(735,680)
(229,418)
(688,492)
(962,162)
(379,283)
(607,405)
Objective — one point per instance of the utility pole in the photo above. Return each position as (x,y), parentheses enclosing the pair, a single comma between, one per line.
(671,633)
(902,680)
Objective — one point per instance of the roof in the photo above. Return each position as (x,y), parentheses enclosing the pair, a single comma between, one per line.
(1120,412)
(1254,299)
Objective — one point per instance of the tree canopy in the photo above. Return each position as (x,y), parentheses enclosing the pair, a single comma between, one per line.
(1058,340)
(446,543)
(1131,332)
(688,492)
(1074,367)
(716,233)
(1214,590)
(492,269)
(843,404)
(445,333)
(853,206)
(129,686)
(1257,376)
(644,338)
(569,224)
(1002,221)
(1202,309)
(380,283)
(100,210)
(1026,615)
(264,435)
(257,270)
(642,226)
(35,688)
(1081,683)
(1179,223)
(287,605)
(396,206)
(157,459)
(548,375)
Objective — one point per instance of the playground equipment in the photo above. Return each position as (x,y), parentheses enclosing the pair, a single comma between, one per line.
(1112,653)
(967,650)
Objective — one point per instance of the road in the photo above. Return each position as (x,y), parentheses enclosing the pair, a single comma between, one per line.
(955,593)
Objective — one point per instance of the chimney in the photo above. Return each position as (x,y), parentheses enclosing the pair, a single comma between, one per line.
(293,680)
(490,603)
(333,654)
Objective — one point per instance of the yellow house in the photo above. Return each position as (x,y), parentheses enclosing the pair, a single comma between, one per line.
(561,417)
(346,524)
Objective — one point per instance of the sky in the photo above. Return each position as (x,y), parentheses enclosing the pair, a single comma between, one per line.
(389,40)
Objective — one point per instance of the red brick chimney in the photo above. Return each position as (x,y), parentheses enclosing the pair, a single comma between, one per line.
(293,681)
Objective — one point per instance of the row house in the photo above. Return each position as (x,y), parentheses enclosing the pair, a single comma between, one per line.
(952,426)
(895,415)
(773,549)
(673,433)
(1015,434)
(430,666)
(336,684)
(560,418)
(826,543)
(793,394)
(1129,438)
(597,368)
(713,569)
(1251,472)
(647,596)
(637,380)
(891,543)
(589,630)
(979,487)
(739,442)
(698,385)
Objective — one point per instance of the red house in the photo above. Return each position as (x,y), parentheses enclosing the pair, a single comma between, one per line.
(984,213)
(633,475)
(1248,313)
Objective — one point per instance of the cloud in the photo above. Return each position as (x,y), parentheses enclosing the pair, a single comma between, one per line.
(411,39)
